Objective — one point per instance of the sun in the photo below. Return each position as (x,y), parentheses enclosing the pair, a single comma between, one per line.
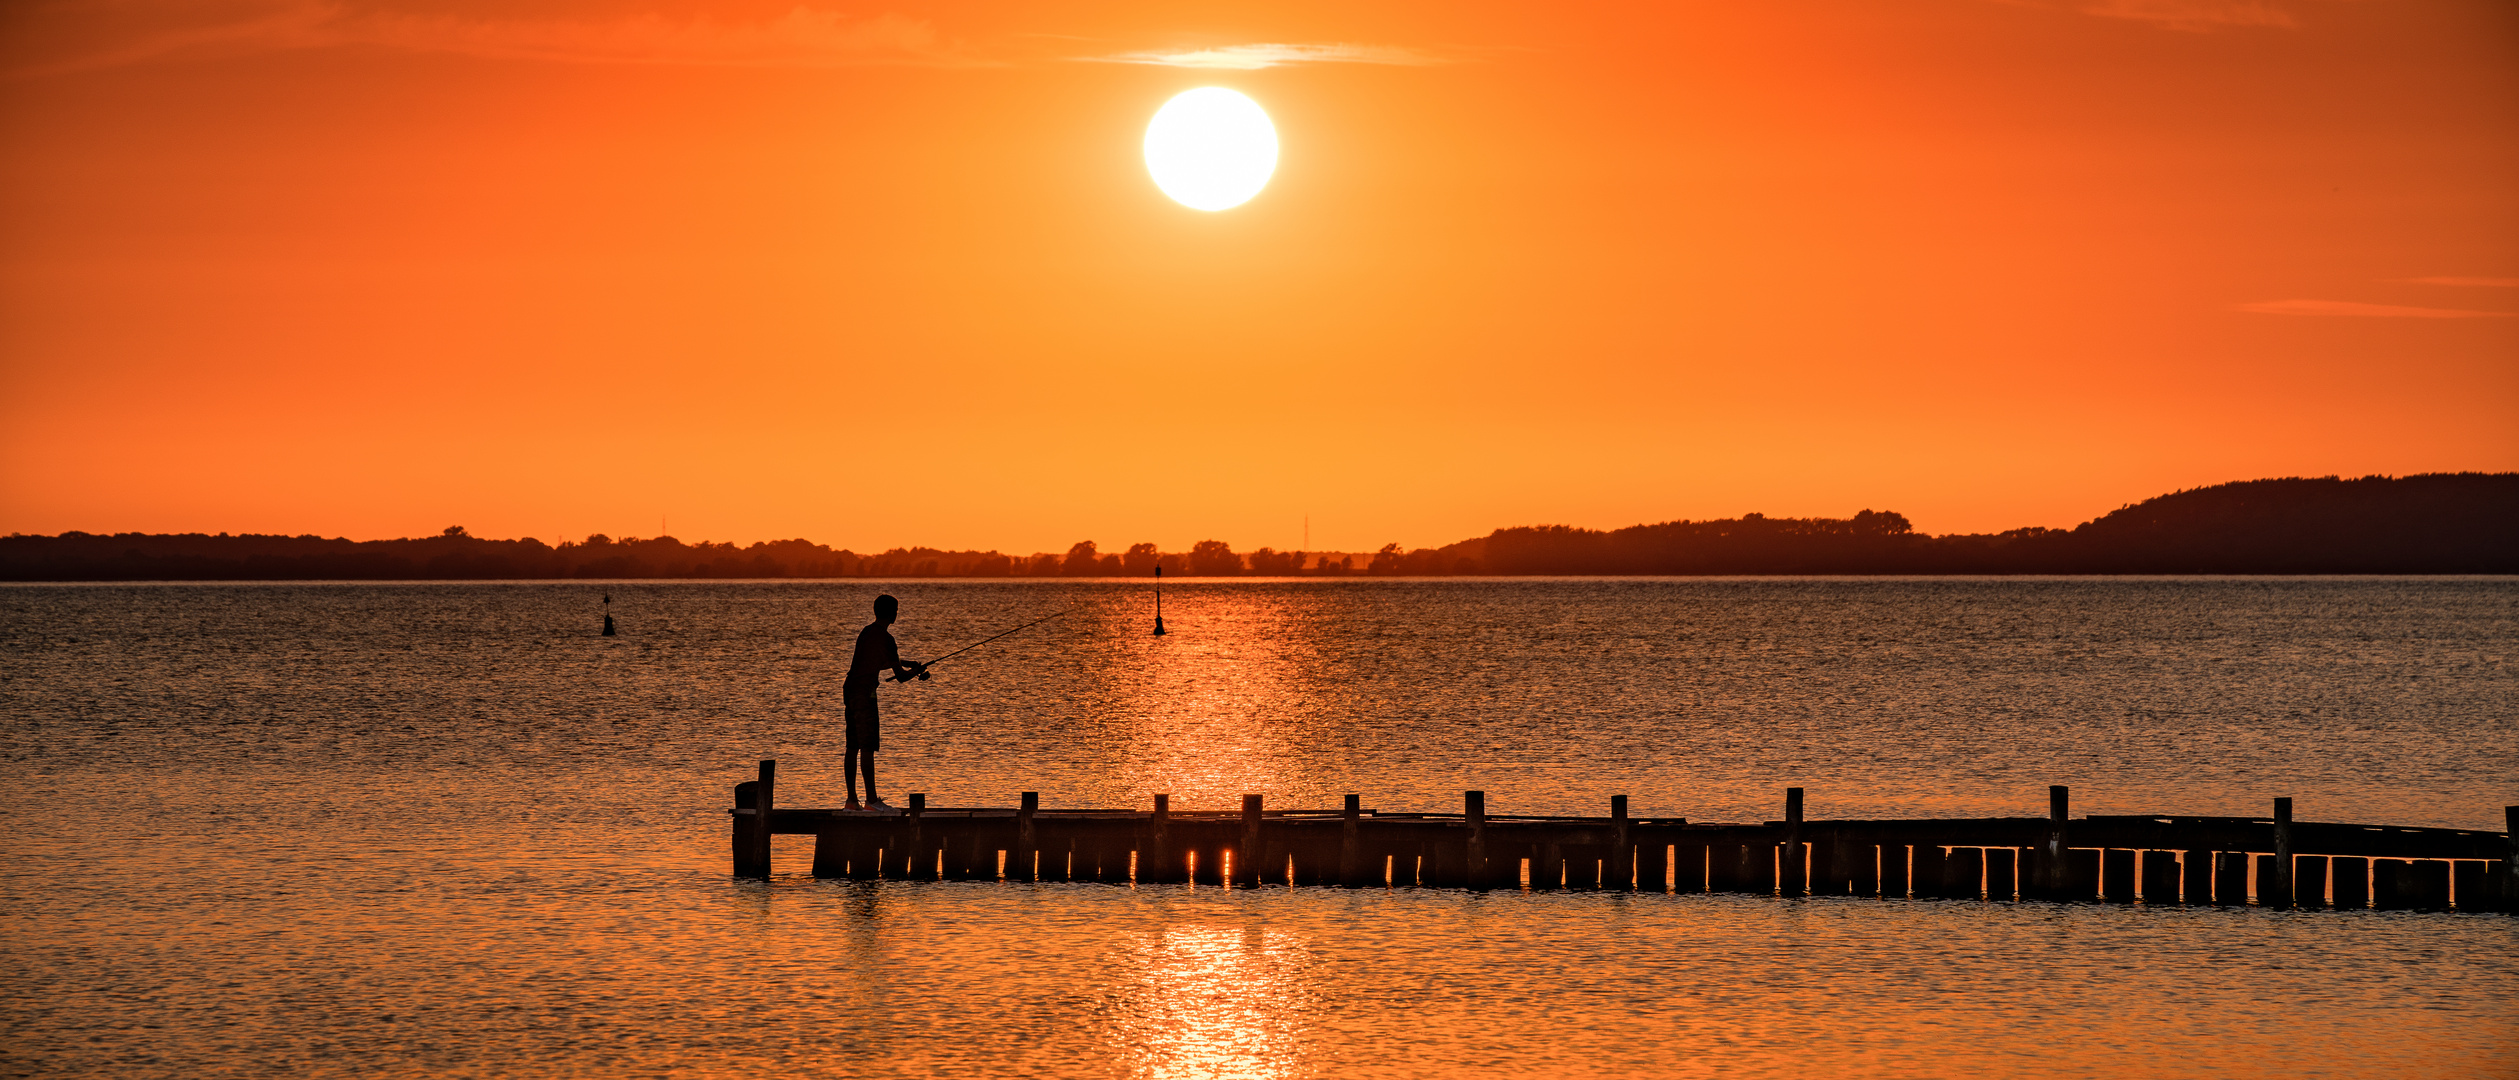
(1211,148)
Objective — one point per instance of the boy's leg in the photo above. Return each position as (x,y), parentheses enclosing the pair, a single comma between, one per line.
(848,766)
(871,798)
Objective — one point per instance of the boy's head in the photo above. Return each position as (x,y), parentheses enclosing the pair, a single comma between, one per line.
(887,608)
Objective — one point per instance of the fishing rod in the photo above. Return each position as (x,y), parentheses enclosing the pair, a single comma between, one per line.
(922,668)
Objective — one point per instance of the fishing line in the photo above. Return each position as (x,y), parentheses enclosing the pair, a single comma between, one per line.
(922,668)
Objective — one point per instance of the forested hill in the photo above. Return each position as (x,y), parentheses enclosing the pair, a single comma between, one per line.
(2441,523)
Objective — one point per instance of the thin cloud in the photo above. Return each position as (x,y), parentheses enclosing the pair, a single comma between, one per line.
(1274,54)
(803,37)
(2470,282)
(2352,309)
(2188,15)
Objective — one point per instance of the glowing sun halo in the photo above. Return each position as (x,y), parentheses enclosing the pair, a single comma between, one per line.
(1211,148)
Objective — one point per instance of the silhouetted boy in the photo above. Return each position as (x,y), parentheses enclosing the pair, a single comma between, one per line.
(876,653)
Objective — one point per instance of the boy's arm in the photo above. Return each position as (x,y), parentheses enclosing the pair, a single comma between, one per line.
(902,671)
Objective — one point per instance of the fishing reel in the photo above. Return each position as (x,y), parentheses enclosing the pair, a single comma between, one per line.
(920,675)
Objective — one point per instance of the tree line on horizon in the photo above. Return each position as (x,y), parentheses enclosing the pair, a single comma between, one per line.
(2435,523)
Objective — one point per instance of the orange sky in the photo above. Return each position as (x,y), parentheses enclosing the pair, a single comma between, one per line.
(895,274)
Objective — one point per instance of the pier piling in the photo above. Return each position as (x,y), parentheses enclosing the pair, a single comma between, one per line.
(2002,877)
(1351,860)
(2195,884)
(754,801)
(1618,869)
(2309,881)
(2352,882)
(2160,877)
(1962,873)
(1930,863)
(2281,888)
(1023,862)
(2054,878)
(2230,878)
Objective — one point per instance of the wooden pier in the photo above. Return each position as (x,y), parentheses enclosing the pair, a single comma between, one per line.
(2272,861)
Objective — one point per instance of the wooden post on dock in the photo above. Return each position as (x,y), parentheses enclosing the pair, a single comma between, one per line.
(2278,893)
(1351,867)
(1723,867)
(1963,873)
(2388,884)
(2116,875)
(1248,858)
(2196,876)
(1158,862)
(1856,864)
(1653,865)
(1758,868)
(1620,867)
(2160,876)
(2230,879)
(2309,881)
(1792,872)
(2051,871)
(2429,879)
(1894,871)
(753,802)
(1024,862)
(2352,882)
(2466,884)
(1929,868)
(2509,865)
(1688,866)
(1474,812)
(921,862)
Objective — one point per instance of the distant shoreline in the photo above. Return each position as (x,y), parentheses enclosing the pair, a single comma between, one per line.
(1302,579)
(2429,525)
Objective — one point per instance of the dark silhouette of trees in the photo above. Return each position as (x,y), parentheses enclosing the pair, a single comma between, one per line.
(2441,523)
(2436,523)
(1451,559)
(1081,561)
(1274,563)
(1214,558)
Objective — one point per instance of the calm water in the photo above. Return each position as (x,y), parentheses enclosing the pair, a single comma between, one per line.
(446,830)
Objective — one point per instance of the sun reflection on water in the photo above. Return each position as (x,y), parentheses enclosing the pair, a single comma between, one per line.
(1210,723)
(1205,1001)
